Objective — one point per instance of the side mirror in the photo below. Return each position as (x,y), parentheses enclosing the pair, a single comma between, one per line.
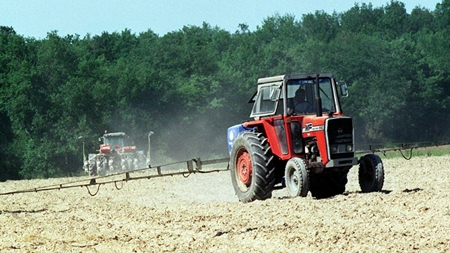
(344,89)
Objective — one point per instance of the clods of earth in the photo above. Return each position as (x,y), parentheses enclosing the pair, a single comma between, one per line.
(201,213)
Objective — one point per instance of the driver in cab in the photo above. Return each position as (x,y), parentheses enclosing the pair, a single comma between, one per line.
(298,104)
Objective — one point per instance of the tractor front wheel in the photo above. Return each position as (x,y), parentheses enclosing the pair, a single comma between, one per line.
(297,178)
(371,173)
(252,167)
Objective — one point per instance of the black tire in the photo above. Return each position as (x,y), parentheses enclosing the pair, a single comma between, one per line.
(92,169)
(328,184)
(371,173)
(102,165)
(127,163)
(296,178)
(141,161)
(252,167)
(116,165)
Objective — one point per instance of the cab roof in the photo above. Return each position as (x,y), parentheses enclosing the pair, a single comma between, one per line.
(295,76)
(114,134)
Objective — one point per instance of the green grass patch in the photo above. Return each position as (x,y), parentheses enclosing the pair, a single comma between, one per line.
(416,151)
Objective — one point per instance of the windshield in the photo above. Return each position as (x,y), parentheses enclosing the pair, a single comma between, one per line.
(301,96)
(113,141)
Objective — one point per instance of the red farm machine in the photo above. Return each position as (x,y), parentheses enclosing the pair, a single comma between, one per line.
(114,155)
(300,139)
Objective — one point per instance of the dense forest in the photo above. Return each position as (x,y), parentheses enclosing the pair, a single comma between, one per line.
(188,86)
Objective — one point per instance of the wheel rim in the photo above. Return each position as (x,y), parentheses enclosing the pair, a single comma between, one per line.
(244,168)
(293,180)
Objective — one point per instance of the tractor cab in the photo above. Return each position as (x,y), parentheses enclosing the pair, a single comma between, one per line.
(277,95)
(114,142)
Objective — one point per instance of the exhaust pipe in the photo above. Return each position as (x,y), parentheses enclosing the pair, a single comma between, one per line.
(318,99)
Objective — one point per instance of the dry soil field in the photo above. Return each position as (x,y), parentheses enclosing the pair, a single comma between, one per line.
(201,214)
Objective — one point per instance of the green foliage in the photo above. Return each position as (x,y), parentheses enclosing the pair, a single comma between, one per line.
(190,85)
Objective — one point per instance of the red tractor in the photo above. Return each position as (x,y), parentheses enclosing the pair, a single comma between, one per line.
(299,139)
(114,156)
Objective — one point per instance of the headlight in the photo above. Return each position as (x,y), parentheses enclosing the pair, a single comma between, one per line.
(349,147)
(333,149)
(342,148)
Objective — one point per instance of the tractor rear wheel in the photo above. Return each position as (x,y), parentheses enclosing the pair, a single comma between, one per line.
(297,178)
(92,169)
(102,165)
(252,167)
(328,184)
(116,164)
(371,173)
(141,161)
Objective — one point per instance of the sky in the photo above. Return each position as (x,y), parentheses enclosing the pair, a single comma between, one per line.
(35,18)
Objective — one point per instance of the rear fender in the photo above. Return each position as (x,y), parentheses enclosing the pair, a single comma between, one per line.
(274,130)
(233,132)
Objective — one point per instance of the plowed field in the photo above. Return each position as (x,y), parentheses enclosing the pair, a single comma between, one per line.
(201,214)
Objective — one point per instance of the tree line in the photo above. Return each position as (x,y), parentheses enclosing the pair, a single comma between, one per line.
(188,86)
